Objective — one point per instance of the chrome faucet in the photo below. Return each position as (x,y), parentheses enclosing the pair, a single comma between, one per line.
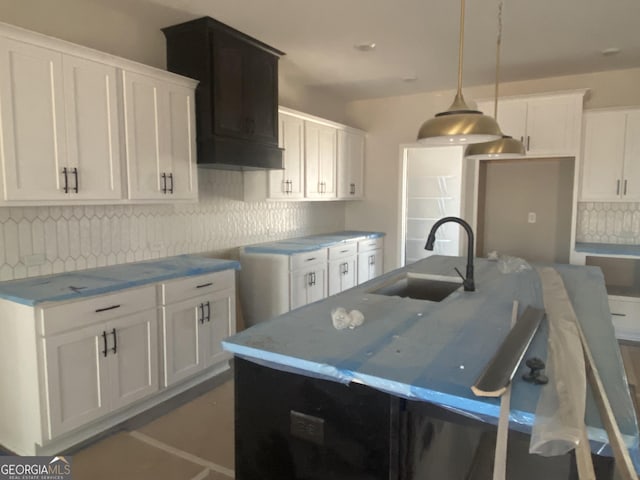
(467,282)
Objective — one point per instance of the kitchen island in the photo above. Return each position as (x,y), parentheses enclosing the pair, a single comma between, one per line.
(392,398)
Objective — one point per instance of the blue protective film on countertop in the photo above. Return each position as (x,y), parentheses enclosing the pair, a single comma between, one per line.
(435,351)
(291,246)
(608,249)
(98,281)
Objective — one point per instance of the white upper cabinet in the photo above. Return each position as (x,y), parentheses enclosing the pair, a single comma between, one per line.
(32,121)
(320,160)
(65,136)
(288,183)
(159,136)
(546,124)
(350,164)
(611,166)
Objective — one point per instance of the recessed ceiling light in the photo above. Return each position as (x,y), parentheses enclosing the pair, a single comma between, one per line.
(365,46)
(610,51)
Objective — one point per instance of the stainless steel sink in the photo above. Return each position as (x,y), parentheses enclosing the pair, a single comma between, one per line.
(434,288)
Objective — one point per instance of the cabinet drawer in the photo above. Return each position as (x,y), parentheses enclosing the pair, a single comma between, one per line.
(184,288)
(302,260)
(371,244)
(625,316)
(70,315)
(342,251)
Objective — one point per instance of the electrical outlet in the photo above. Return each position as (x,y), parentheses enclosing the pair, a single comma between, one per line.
(532,217)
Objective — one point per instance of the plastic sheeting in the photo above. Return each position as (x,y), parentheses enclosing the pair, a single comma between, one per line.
(434,351)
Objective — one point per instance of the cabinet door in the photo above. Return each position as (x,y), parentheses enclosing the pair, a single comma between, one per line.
(77,378)
(289,182)
(182,324)
(228,54)
(553,125)
(342,275)
(261,95)
(318,289)
(93,139)
(631,186)
(177,135)
(370,265)
(320,160)
(308,285)
(350,165)
(32,122)
(512,117)
(220,322)
(603,154)
(133,357)
(144,164)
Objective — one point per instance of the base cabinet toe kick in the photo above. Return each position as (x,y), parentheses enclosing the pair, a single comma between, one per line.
(72,369)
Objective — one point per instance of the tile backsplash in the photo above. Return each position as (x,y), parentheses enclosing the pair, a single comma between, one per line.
(602,222)
(44,240)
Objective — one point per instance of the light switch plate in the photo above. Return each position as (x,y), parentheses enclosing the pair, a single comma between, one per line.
(531,218)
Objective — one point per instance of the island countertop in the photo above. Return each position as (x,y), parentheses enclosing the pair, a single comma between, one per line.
(435,351)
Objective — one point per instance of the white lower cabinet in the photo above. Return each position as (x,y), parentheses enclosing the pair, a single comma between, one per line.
(95,370)
(343,267)
(370,259)
(78,367)
(192,329)
(308,285)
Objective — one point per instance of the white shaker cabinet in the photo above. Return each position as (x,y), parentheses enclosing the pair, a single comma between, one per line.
(343,267)
(320,160)
(308,285)
(160,138)
(93,370)
(288,183)
(611,166)
(60,126)
(370,259)
(546,124)
(350,164)
(197,314)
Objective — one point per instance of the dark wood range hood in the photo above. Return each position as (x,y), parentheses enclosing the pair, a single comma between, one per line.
(237,98)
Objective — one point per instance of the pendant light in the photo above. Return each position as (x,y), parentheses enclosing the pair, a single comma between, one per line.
(505,147)
(459,124)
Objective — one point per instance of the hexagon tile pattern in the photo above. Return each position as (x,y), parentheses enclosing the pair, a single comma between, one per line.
(43,240)
(602,222)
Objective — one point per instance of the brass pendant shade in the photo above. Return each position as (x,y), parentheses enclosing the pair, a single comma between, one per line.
(459,125)
(505,147)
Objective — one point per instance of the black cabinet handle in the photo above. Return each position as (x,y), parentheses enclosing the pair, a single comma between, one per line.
(201,308)
(75,174)
(204,285)
(618,187)
(171,187)
(208,311)
(372,260)
(164,182)
(528,142)
(346,268)
(66,180)
(624,192)
(112,307)
(115,341)
(104,340)
(352,190)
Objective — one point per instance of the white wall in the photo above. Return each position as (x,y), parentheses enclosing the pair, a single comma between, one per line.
(393,121)
(73,238)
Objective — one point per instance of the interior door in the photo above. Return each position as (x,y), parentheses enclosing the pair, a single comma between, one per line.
(133,357)
(77,378)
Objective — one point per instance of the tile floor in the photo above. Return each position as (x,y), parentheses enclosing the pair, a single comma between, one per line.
(193,442)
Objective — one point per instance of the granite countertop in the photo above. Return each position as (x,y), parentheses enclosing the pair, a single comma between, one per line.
(608,249)
(435,351)
(98,281)
(291,246)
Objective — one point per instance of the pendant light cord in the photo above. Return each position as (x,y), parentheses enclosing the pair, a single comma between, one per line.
(498,44)
(460,47)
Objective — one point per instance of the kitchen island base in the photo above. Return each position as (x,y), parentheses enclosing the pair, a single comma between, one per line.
(295,427)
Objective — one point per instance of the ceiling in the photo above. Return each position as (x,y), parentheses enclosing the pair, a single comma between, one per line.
(419,39)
